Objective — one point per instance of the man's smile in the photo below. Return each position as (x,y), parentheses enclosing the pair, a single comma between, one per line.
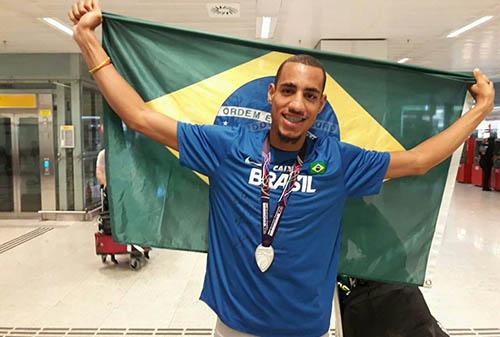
(293,118)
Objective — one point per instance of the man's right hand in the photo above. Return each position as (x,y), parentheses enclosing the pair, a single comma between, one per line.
(124,100)
(86,15)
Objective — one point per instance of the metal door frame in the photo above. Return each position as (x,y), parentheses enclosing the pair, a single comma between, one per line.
(14,115)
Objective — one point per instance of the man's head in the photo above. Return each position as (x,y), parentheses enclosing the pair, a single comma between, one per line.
(306,60)
(297,98)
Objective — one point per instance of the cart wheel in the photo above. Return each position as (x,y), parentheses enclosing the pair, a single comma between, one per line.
(135,253)
(103,258)
(114,259)
(135,263)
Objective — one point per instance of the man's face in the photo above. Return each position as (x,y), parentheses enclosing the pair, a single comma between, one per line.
(296,100)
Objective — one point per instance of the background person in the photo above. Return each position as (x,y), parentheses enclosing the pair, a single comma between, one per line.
(486,150)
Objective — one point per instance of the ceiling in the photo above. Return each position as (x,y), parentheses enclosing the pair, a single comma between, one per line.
(414,29)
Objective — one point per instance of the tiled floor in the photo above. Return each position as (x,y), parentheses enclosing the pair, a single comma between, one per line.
(466,291)
(56,281)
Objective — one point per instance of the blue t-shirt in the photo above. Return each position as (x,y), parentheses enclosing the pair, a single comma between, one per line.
(294,296)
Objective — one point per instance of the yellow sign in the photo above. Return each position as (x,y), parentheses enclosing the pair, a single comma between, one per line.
(22,101)
(67,136)
(45,113)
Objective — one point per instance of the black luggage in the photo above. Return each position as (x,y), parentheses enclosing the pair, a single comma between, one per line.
(104,220)
(375,309)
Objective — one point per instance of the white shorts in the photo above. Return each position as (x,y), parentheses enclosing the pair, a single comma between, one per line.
(222,330)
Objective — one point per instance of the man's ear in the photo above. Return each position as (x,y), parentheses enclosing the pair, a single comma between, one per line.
(271,90)
(323,102)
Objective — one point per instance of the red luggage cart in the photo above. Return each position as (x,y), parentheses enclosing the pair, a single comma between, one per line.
(104,244)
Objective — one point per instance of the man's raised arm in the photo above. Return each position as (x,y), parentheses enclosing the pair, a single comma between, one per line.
(124,100)
(434,150)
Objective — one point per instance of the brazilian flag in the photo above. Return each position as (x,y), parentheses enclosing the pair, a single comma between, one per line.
(211,79)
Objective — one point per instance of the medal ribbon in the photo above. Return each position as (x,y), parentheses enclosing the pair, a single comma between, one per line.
(269,232)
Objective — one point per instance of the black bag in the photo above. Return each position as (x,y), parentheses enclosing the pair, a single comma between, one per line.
(104,199)
(375,309)
(104,219)
(104,222)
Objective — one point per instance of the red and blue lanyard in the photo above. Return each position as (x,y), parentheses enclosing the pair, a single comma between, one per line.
(269,231)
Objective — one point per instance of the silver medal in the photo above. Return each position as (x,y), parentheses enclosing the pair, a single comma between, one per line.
(264,257)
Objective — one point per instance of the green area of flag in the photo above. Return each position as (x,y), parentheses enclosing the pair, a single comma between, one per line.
(156,202)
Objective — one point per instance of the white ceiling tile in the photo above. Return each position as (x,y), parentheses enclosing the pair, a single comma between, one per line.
(415,29)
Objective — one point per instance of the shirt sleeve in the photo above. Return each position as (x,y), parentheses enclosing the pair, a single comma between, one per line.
(364,171)
(203,147)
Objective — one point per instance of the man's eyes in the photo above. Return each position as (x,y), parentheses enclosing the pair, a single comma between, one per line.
(311,96)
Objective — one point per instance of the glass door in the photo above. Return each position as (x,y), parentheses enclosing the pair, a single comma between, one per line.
(29,164)
(19,163)
(6,169)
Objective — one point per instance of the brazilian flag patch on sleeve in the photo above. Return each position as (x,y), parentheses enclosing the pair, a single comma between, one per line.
(317,167)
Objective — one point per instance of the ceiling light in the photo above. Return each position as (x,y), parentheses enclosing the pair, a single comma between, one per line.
(404,60)
(56,24)
(470,26)
(266,27)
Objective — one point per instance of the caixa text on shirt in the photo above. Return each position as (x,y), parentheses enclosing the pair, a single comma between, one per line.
(303,183)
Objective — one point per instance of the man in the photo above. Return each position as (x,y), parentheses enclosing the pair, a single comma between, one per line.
(100,165)
(267,277)
(486,150)
(100,168)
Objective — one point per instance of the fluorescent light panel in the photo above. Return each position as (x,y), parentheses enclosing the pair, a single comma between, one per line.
(403,60)
(266,27)
(470,26)
(58,25)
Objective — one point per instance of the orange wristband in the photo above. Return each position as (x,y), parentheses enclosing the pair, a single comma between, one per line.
(106,62)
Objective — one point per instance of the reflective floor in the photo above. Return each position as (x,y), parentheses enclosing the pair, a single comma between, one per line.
(466,288)
(51,278)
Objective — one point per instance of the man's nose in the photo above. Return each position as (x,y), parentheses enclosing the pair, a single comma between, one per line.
(297,104)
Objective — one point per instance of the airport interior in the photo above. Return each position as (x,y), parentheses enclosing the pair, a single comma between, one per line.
(52,281)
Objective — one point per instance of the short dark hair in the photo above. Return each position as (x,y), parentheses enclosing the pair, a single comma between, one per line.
(307,60)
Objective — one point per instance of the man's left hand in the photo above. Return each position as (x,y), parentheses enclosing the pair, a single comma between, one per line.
(483,92)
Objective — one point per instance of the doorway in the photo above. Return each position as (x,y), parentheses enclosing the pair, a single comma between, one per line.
(20,167)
